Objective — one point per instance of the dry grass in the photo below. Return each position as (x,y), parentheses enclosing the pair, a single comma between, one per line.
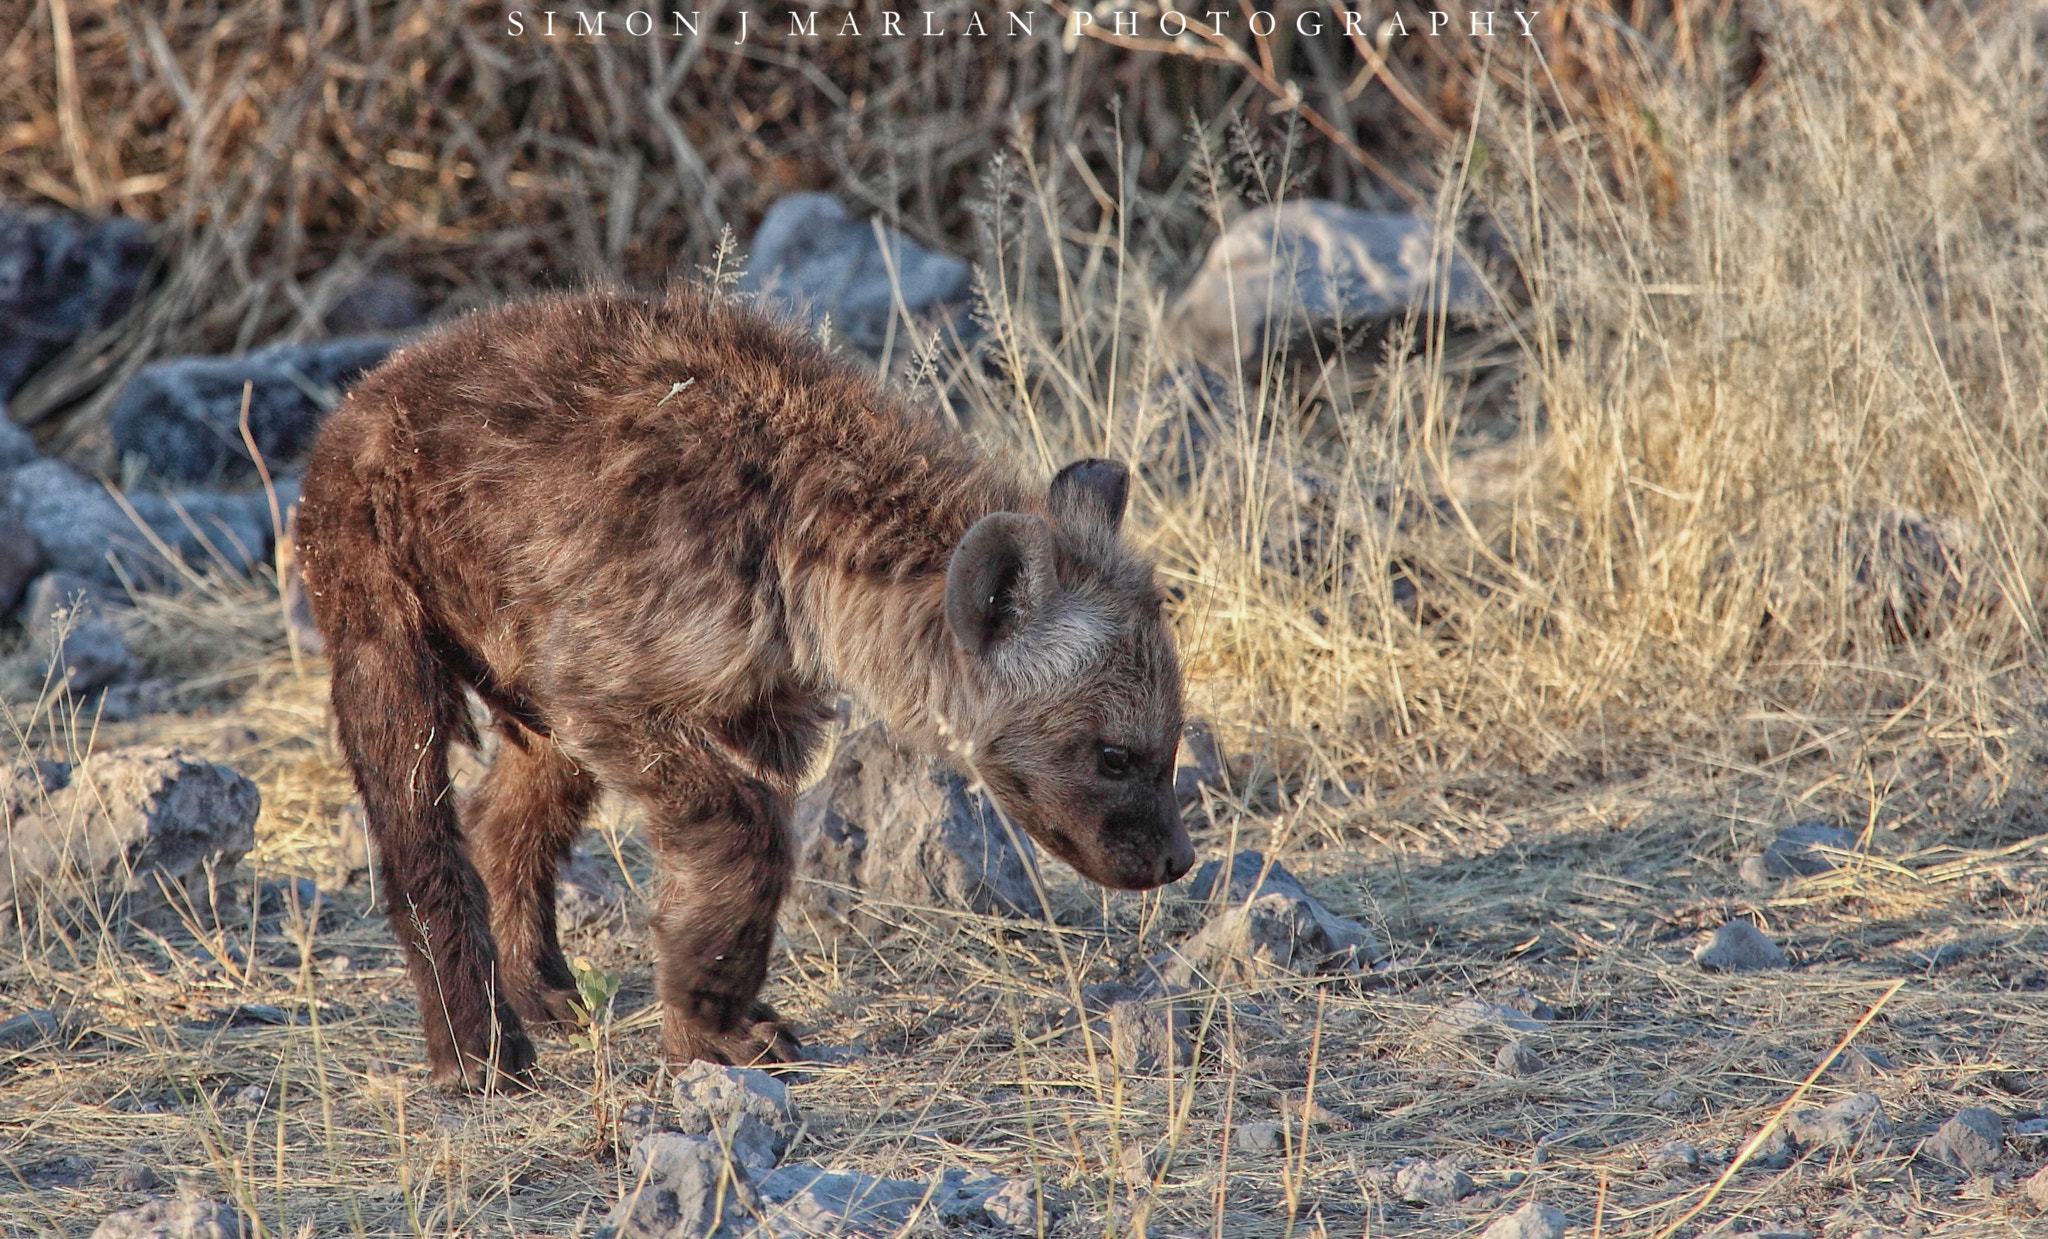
(1754,333)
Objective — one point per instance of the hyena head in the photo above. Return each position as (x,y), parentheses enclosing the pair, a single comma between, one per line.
(1079,712)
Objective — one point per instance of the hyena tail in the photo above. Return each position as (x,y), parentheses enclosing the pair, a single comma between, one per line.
(397,705)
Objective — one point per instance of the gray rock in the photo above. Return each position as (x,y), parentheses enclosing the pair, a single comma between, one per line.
(1021,1207)
(68,592)
(1668,1100)
(2036,1189)
(137,1177)
(1437,1184)
(748,1109)
(958,1200)
(587,895)
(682,1187)
(892,825)
(1859,1065)
(1198,764)
(1312,267)
(1477,1019)
(1969,1143)
(810,257)
(29,1030)
(1776,1152)
(62,276)
(1739,946)
(1799,851)
(1145,1038)
(174,1219)
(1534,1220)
(21,556)
(17,446)
(811,1201)
(183,415)
(1267,927)
(131,820)
(1854,1121)
(94,655)
(380,302)
(2030,1129)
(1260,1137)
(120,703)
(1675,1157)
(82,530)
(1517,1059)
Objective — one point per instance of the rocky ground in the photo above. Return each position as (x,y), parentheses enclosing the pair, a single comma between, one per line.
(1578,1011)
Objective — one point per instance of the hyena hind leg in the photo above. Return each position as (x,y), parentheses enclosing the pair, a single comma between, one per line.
(395,708)
(521,822)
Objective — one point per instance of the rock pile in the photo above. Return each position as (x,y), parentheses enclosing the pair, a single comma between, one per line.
(714,1172)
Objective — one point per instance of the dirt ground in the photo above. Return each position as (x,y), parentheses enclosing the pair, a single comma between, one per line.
(279,1059)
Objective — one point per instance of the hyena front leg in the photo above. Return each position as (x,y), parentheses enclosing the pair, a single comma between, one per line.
(722,837)
(521,821)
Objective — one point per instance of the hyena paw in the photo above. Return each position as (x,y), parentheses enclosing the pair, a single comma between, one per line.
(475,1070)
(547,1009)
(760,1040)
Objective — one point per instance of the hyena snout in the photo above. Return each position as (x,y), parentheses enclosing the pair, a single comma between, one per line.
(1139,845)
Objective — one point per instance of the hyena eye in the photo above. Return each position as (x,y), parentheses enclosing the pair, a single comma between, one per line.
(1115,761)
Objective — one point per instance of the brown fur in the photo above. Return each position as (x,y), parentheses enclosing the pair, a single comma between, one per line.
(656,537)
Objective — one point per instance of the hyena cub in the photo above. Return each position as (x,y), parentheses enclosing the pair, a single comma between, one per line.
(656,537)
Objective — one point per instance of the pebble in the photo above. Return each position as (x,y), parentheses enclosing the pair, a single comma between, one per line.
(137,1177)
(29,1030)
(1739,946)
(1145,1038)
(1260,1137)
(1858,1065)
(1970,1142)
(1679,1156)
(1843,1125)
(1798,852)
(182,1218)
(1438,1184)
(1534,1220)
(1517,1059)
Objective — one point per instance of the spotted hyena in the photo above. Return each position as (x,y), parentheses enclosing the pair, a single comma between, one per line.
(657,537)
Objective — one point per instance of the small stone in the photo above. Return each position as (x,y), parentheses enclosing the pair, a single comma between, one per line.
(29,1030)
(1668,1100)
(1269,926)
(1969,1143)
(183,1218)
(1137,1165)
(137,1177)
(1859,1065)
(2036,1189)
(1534,1220)
(1800,851)
(717,1101)
(1020,1207)
(1146,1038)
(1476,1018)
(1776,1152)
(1259,1137)
(1739,946)
(93,655)
(1198,763)
(681,1188)
(1675,1157)
(251,1097)
(1844,1126)
(808,1200)
(1438,1184)
(1517,1059)
(63,275)
(640,1119)
(83,530)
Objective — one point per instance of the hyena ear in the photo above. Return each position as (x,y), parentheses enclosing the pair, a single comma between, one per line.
(1091,489)
(999,574)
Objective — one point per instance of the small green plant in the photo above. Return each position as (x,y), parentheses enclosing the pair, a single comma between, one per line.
(596,992)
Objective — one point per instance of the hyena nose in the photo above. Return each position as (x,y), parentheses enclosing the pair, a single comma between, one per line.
(1180,857)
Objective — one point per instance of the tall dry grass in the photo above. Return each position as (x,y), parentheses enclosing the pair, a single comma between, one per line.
(1775,485)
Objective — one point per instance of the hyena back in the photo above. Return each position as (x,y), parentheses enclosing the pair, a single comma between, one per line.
(656,538)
